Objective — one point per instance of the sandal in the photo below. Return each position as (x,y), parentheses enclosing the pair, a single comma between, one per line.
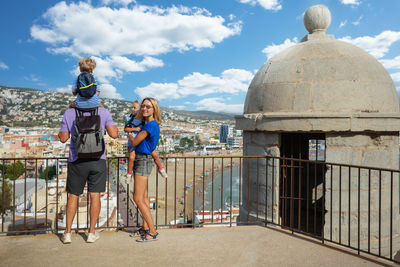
(144,238)
(140,232)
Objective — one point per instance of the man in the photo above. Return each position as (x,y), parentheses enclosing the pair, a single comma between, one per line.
(82,170)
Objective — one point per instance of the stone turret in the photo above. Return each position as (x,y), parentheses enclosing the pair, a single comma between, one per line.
(327,91)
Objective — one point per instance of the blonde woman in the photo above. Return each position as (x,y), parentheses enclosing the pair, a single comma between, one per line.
(146,142)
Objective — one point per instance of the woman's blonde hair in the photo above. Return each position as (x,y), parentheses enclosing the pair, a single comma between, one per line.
(156,107)
(87,64)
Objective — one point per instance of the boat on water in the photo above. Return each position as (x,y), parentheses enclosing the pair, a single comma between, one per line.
(224,216)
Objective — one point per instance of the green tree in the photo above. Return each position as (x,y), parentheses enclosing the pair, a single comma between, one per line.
(5,196)
(52,171)
(12,171)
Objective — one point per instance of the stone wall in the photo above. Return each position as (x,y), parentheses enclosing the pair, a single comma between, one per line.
(349,189)
(260,190)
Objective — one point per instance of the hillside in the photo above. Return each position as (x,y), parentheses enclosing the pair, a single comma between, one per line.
(27,107)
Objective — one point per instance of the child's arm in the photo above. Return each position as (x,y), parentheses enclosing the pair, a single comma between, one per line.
(129,130)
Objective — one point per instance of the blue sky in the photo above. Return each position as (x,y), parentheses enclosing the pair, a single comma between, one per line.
(191,54)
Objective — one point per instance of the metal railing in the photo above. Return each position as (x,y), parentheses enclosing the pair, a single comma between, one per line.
(353,206)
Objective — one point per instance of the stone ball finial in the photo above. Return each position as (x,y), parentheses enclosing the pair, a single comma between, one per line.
(317,19)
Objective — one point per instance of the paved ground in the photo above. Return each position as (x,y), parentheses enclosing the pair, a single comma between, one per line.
(217,246)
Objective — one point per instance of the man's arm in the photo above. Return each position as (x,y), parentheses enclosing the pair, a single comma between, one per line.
(64,136)
(112,131)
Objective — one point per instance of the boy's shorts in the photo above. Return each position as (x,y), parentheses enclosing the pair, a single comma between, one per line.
(143,165)
(91,170)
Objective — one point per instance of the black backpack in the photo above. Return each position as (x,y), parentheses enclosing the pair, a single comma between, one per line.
(88,138)
(86,85)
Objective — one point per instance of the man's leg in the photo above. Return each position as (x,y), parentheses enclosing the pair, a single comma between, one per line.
(95,207)
(72,204)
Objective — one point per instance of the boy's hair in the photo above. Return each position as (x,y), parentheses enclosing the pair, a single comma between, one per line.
(139,113)
(136,101)
(157,112)
(87,64)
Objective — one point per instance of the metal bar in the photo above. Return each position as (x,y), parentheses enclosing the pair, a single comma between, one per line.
(212,192)
(175,168)
(118,186)
(47,187)
(156,200)
(391,215)
(258,187)
(36,177)
(380,210)
(248,190)
(331,208)
(323,204)
(194,191)
(272,190)
(3,176)
(308,198)
(203,175)
(349,228)
(222,187)
(25,196)
(266,192)
(231,204)
(291,193)
(166,198)
(184,192)
(369,210)
(340,204)
(108,192)
(358,215)
(14,175)
(57,200)
(315,198)
(300,198)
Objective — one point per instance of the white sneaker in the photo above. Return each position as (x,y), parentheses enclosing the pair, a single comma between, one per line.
(128,178)
(66,238)
(92,237)
(163,173)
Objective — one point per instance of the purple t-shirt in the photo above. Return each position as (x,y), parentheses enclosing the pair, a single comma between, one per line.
(67,125)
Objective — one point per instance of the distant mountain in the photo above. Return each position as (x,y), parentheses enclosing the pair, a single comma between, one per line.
(28,107)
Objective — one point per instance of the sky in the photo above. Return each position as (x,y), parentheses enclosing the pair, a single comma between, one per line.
(188,54)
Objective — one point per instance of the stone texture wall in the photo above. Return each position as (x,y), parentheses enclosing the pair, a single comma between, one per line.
(368,189)
(262,172)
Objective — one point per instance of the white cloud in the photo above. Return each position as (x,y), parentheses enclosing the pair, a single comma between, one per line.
(396,76)
(357,22)
(391,63)
(118,2)
(32,78)
(3,66)
(343,23)
(274,49)
(231,81)
(351,2)
(217,104)
(177,107)
(266,4)
(140,30)
(378,45)
(109,91)
(67,89)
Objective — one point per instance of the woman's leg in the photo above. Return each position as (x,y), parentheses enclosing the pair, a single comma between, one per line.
(139,195)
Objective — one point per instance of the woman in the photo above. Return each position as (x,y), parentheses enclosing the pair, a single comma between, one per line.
(145,142)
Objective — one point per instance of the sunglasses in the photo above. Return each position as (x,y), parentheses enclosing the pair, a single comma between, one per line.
(146,106)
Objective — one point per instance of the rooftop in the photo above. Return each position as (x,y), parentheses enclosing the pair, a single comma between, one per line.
(211,246)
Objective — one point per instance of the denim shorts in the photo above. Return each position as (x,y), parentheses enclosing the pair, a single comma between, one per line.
(143,165)
(86,170)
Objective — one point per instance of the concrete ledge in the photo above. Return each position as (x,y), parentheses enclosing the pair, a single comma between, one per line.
(319,122)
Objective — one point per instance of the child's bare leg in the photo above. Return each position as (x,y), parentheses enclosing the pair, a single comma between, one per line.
(157,160)
(131,160)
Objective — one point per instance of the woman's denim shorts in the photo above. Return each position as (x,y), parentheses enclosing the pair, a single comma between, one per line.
(143,165)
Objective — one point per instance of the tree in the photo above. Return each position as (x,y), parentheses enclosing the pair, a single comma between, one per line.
(52,171)
(6,198)
(12,171)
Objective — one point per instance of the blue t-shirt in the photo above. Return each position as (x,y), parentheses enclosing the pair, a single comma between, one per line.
(149,144)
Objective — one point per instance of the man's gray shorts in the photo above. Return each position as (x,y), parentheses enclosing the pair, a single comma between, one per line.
(90,170)
(143,165)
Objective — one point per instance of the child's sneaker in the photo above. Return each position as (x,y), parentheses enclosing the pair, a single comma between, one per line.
(66,238)
(128,178)
(163,173)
